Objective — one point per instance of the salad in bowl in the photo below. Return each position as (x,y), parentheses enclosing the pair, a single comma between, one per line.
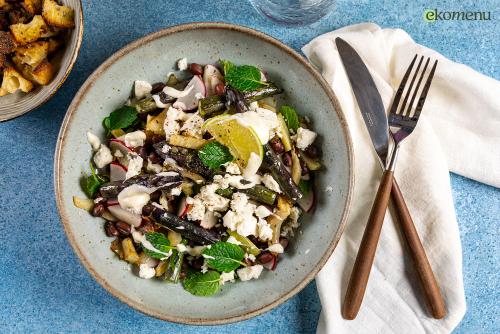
(202,178)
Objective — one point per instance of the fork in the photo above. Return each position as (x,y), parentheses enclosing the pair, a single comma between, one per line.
(402,121)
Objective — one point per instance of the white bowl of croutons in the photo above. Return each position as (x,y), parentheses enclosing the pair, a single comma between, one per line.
(39,44)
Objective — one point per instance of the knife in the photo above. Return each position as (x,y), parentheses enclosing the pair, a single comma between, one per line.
(373,112)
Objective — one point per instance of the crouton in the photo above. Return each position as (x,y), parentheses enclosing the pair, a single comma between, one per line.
(56,15)
(29,32)
(33,53)
(33,6)
(13,80)
(6,42)
(19,15)
(43,73)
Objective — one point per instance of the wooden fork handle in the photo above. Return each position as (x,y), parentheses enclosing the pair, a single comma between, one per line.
(431,288)
(366,253)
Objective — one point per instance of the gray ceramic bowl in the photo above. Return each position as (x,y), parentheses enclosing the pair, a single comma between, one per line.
(151,58)
(17,104)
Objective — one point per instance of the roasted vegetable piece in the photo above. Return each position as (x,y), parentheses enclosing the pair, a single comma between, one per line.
(145,105)
(186,141)
(162,181)
(33,53)
(129,252)
(29,32)
(277,219)
(56,15)
(246,243)
(258,193)
(281,174)
(174,267)
(261,93)
(154,124)
(116,247)
(211,105)
(186,158)
(186,228)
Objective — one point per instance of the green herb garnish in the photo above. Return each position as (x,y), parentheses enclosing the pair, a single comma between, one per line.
(304,186)
(291,117)
(243,78)
(93,182)
(200,284)
(120,118)
(214,154)
(224,256)
(160,242)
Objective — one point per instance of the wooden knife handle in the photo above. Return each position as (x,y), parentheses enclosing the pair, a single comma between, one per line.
(431,288)
(367,248)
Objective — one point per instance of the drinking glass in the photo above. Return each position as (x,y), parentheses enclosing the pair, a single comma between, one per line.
(293,12)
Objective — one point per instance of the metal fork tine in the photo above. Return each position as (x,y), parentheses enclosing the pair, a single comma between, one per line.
(399,93)
(423,95)
(408,111)
(408,92)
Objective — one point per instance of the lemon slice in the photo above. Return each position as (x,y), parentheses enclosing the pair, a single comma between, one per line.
(241,140)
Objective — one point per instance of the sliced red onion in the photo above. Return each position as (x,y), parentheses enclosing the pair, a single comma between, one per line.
(124,215)
(117,172)
(190,101)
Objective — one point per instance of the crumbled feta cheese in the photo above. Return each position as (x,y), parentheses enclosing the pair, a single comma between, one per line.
(240,218)
(211,200)
(103,156)
(134,139)
(204,267)
(197,210)
(232,168)
(182,64)
(262,211)
(226,277)
(233,240)
(265,230)
(271,183)
(247,273)
(192,126)
(176,191)
(93,140)
(209,220)
(165,148)
(253,165)
(329,189)
(181,248)
(235,181)
(253,105)
(133,198)
(304,138)
(171,126)
(276,248)
(134,165)
(158,102)
(146,271)
(154,168)
(264,122)
(250,257)
(142,88)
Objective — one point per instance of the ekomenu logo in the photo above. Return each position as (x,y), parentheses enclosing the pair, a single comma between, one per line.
(432,15)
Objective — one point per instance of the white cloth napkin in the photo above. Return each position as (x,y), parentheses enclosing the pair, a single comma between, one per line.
(458,131)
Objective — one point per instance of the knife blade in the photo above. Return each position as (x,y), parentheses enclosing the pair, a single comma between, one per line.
(367,96)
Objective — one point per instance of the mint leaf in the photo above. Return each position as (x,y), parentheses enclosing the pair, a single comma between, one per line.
(227,66)
(160,242)
(120,118)
(224,256)
(200,284)
(93,182)
(291,117)
(214,154)
(244,78)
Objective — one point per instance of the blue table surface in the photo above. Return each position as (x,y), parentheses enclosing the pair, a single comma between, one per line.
(43,286)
